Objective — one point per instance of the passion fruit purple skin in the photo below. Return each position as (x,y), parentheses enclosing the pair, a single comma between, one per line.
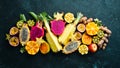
(57,26)
(36,32)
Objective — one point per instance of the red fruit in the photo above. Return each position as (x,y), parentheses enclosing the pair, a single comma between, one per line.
(92,48)
(36,32)
(57,26)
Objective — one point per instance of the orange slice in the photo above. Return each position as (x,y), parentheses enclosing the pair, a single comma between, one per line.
(81,27)
(32,47)
(86,39)
(92,28)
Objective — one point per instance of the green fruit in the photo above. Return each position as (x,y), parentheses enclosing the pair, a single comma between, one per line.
(96,39)
(100,34)
(19,24)
(30,23)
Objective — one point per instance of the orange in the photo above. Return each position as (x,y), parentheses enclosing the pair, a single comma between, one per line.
(86,39)
(92,28)
(32,47)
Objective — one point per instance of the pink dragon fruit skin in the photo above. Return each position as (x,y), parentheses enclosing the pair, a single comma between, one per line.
(57,26)
(36,32)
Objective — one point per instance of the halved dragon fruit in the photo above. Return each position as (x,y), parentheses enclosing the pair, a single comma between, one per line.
(36,31)
(57,26)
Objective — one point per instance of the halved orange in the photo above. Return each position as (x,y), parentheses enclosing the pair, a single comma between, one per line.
(92,28)
(32,47)
(86,39)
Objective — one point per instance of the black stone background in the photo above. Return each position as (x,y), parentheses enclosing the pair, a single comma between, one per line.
(106,10)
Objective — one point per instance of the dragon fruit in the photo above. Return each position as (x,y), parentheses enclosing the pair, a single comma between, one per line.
(57,26)
(36,31)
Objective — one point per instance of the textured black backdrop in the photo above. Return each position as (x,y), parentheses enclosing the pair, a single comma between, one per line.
(106,10)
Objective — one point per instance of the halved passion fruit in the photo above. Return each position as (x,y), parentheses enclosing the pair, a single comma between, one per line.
(81,27)
(14,41)
(14,30)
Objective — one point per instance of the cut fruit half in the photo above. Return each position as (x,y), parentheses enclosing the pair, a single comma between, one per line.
(92,28)
(32,47)
(69,17)
(83,49)
(81,27)
(86,39)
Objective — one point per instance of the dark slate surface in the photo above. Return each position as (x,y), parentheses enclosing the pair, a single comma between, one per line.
(106,10)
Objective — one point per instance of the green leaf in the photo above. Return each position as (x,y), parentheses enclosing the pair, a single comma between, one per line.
(22,50)
(7,36)
(34,15)
(22,17)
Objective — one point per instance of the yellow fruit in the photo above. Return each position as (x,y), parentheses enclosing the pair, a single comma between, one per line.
(77,35)
(83,49)
(86,39)
(24,34)
(14,41)
(44,48)
(32,47)
(69,17)
(14,30)
(92,28)
(81,27)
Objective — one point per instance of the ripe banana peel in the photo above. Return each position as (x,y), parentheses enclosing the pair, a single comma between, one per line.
(69,30)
